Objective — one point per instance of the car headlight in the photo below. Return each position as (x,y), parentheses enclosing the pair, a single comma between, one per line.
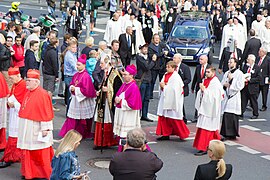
(204,51)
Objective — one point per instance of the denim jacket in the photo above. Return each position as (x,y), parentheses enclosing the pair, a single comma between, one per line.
(65,166)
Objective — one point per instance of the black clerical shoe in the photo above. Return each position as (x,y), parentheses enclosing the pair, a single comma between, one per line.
(263,109)
(4,164)
(254,117)
(163,138)
(61,95)
(146,119)
(22,177)
(2,150)
(200,153)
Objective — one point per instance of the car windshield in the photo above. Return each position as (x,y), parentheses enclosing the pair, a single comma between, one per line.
(189,32)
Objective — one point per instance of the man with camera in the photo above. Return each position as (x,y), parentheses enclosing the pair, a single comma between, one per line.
(135,162)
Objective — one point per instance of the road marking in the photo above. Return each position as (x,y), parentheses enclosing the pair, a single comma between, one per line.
(57,97)
(266,133)
(231,143)
(240,120)
(266,157)
(99,30)
(249,150)
(152,116)
(189,138)
(215,57)
(250,128)
(152,142)
(256,120)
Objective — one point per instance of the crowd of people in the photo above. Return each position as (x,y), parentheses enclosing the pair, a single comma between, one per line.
(107,97)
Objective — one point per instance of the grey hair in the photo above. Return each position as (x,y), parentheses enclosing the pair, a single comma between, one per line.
(102,43)
(178,55)
(136,138)
(252,57)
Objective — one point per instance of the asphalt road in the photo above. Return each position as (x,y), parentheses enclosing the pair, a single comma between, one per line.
(249,154)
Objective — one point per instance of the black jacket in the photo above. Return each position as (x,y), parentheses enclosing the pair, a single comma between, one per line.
(225,57)
(124,50)
(197,77)
(98,75)
(185,74)
(253,84)
(160,63)
(252,46)
(30,61)
(265,69)
(78,24)
(5,58)
(50,63)
(208,171)
(144,66)
(86,50)
(135,165)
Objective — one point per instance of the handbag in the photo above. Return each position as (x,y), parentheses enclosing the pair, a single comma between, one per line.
(139,81)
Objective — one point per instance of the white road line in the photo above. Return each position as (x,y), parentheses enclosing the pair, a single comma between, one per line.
(189,138)
(215,56)
(266,133)
(266,157)
(152,142)
(231,143)
(250,128)
(99,30)
(240,120)
(249,150)
(57,97)
(256,120)
(152,116)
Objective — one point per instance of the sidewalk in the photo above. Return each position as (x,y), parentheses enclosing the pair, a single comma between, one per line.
(42,3)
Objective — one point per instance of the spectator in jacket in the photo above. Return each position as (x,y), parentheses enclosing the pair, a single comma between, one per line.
(51,67)
(18,57)
(46,42)
(30,60)
(144,66)
(89,42)
(136,162)
(6,52)
(159,49)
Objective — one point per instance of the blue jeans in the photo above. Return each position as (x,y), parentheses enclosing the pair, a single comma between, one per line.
(145,94)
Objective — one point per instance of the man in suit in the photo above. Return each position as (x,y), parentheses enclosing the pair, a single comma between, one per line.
(198,77)
(218,25)
(159,49)
(263,61)
(231,51)
(251,90)
(252,46)
(77,8)
(126,41)
(185,74)
(144,66)
(135,162)
(74,24)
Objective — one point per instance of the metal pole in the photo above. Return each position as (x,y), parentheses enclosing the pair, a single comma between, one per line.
(88,18)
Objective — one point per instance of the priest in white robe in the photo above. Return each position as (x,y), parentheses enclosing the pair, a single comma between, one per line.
(265,35)
(170,106)
(12,153)
(113,29)
(258,25)
(233,82)
(208,105)
(227,33)
(3,111)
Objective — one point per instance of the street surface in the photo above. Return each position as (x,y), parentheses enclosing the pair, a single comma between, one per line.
(249,154)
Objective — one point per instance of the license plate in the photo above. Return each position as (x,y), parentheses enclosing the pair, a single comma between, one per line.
(188,57)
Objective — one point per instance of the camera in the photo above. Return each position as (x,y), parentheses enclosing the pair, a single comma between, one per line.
(122,142)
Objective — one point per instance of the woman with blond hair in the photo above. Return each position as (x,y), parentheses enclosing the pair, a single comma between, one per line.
(65,162)
(89,42)
(216,168)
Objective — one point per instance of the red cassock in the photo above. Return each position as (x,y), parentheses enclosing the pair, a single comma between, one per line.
(3,93)
(203,137)
(168,126)
(37,106)
(108,137)
(12,153)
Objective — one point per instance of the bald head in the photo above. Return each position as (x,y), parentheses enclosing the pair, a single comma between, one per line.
(203,59)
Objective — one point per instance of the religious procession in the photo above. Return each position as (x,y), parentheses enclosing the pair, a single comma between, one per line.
(104,92)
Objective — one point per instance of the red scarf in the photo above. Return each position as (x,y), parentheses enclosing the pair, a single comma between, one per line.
(167,77)
(206,81)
